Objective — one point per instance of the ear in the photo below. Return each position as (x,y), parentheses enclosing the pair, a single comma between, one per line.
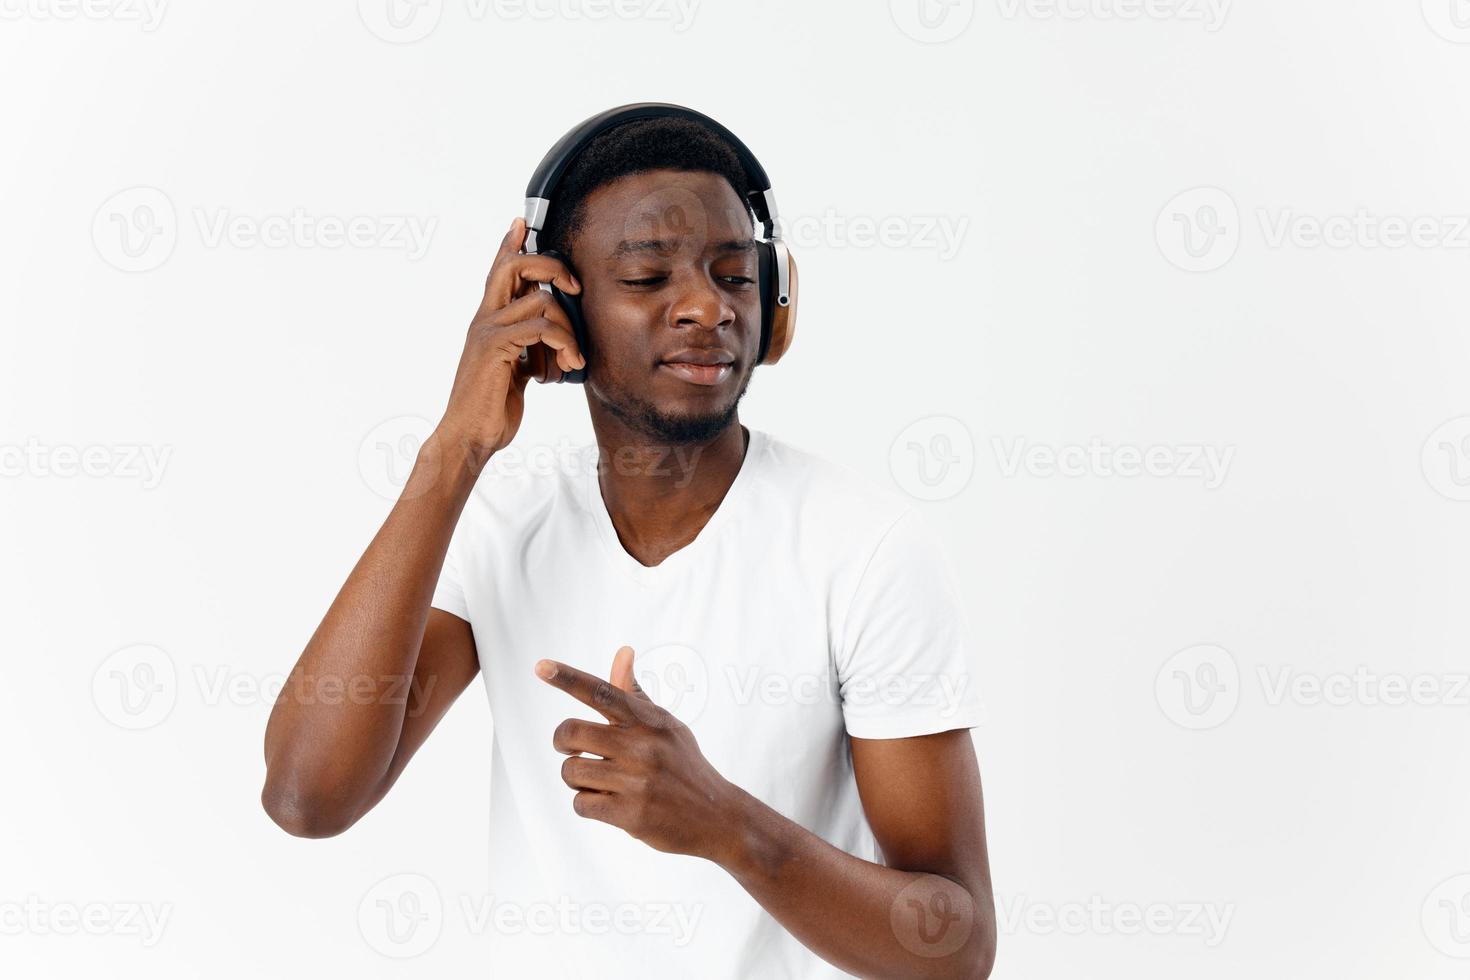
(622,673)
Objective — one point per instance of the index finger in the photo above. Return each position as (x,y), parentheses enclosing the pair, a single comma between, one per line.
(511,243)
(592,691)
(514,243)
(513,272)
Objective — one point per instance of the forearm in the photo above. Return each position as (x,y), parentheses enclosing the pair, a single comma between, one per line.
(867,919)
(336,725)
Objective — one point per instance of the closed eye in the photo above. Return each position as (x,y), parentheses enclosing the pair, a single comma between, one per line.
(655,280)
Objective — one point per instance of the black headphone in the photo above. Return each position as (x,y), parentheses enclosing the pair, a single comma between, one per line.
(777,275)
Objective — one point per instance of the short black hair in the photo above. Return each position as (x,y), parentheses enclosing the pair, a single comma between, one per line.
(660,143)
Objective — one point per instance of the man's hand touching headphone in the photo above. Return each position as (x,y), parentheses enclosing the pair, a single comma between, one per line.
(516,315)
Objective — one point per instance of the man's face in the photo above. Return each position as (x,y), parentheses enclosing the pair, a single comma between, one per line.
(668,269)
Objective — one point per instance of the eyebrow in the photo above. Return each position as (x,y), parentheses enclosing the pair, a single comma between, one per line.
(665,247)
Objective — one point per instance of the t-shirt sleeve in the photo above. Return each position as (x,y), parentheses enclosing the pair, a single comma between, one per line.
(904,659)
(449,592)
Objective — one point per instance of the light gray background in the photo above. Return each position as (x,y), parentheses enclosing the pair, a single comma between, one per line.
(1131,190)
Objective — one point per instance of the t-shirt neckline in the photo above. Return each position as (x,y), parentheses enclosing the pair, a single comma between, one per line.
(632,567)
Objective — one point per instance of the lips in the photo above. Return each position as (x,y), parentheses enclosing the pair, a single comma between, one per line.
(700,365)
(701,355)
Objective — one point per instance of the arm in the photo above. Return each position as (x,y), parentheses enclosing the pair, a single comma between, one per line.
(926,912)
(383,667)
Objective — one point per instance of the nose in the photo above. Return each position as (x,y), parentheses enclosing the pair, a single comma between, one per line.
(700,303)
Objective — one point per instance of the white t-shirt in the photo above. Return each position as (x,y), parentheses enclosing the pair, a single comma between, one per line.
(813,605)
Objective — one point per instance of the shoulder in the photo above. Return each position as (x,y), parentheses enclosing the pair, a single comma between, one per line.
(522,487)
(849,510)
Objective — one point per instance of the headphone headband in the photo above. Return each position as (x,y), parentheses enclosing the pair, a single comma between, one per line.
(548,174)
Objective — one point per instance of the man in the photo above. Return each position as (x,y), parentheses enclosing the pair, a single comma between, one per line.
(802,725)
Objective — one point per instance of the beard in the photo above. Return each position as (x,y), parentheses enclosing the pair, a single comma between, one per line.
(667,428)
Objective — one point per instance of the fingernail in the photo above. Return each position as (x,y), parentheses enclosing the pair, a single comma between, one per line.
(545,670)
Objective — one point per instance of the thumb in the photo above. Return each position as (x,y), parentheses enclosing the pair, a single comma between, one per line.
(622,673)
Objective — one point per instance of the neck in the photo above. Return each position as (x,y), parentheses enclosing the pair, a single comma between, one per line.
(659,496)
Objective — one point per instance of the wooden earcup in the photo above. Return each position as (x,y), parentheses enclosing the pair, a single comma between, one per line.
(783,321)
